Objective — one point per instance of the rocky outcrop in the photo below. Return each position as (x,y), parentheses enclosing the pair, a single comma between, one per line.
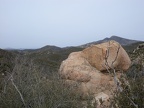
(107,55)
(84,68)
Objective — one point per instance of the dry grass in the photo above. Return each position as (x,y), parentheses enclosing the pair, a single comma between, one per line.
(28,87)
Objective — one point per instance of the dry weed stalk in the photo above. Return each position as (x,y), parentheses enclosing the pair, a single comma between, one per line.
(113,71)
(111,67)
(18,91)
(10,78)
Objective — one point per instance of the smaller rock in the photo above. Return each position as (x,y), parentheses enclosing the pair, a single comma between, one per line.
(101,98)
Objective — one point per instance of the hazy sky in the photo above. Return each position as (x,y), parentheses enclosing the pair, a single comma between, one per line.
(36,23)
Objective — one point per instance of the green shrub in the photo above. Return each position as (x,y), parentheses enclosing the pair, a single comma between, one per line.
(35,90)
(132,95)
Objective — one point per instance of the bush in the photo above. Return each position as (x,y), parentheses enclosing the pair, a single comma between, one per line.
(132,95)
(34,90)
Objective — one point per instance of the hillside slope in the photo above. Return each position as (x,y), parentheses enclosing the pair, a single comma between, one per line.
(122,41)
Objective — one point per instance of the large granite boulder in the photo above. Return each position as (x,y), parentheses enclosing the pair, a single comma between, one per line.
(107,55)
(83,68)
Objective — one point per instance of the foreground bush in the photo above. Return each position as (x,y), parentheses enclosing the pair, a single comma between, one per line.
(132,84)
(26,87)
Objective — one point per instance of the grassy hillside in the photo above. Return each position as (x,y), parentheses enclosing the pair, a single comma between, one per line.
(131,47)
(33,81)
(50,60)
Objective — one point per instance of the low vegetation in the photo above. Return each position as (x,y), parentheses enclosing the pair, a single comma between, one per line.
(27,87)
(132,95)
(32,82)
(132,84)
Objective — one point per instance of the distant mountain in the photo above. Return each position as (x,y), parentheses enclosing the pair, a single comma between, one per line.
(49,58)
(50,48)
(122,41)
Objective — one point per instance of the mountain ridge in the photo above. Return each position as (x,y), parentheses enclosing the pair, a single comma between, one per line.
(121,40)
(52,48)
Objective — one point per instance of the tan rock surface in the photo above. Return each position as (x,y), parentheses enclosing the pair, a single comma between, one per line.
(84,68)
(110,52)
(101,98)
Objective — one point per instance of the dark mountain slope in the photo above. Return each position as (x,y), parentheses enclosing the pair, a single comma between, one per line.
(49,48)
(50,59)
(131,47)
(121,40)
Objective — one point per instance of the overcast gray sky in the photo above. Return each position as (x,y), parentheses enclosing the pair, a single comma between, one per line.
(36,23)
